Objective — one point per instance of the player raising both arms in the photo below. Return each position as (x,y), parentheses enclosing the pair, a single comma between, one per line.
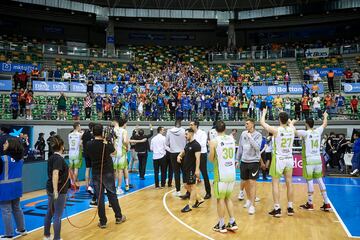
(311,160)
(282,160)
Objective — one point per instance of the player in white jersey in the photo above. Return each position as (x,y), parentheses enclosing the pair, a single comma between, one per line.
(120,163)
(212,133)
(282,160)
(120,158)
(75,152)
(311,161)
(222,154)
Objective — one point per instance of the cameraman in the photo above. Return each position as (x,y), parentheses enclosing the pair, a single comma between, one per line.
(99,152)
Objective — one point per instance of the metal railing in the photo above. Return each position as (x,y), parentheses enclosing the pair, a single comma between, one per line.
(278,54)
(49,48)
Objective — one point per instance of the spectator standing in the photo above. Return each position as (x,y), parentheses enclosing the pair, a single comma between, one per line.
(354,107)
(316,107)
(287,80)
(14,104)
(23,79)
(61,107)
(16,78)
(67,75)
(348,75)
(40,146)
(48,110)
(340,104)
(305,106)
(35,73)
(22,101)
(90,86)
(11,164)
(330,80)
(57,74)
(99,101)
(278,106)
(269,104)
(287,103)
(49,142)
(75,111)
(107,109)
(356,76)
(88,102)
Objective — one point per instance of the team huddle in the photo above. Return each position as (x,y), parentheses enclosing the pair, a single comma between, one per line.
(226,158)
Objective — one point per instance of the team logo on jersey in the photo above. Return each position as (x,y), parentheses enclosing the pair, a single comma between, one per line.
(228,164)
(310,136)
(281,134)
(222,144)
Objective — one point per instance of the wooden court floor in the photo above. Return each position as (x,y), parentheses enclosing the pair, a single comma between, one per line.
(155,214)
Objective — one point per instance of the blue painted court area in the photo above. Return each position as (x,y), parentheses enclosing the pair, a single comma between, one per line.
(35,209)
(344,194)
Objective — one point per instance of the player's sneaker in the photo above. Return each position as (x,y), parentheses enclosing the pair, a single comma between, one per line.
(102,225)
(257,199)
(354,172)
(186,209)
(90,190)
(127,188)
(119,191)
(198,203)
(22,233)
(276,213)
(120,220)
(222,229)
(290,211)
(326,207)
(241,196)
(307,206)
(251,210)
(247,204)
(177,194)
(93,203)
(232,226)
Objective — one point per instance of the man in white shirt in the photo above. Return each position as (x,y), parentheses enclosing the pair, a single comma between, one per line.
(67,75)
(201,137)
(316,106)
(158,147)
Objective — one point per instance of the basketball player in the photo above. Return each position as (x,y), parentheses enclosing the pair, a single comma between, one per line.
(75,153)
(282,160)
(121,142)
(311,160)
(120,158)
(222,154)
(249,155)
(190,158)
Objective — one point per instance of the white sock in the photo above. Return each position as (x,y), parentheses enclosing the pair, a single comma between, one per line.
(276,206)
(221,222)
(310,198)
(325,197)
(290,205)
(127,181)
(232,220)
(323,190)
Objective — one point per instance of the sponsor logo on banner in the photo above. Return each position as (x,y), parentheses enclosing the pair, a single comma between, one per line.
(317,52)
(99,88)
(281,89)
(351,87)
(43,86)
(16,67)
(77,87)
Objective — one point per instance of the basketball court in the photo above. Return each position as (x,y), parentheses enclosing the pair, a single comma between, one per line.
(155,213)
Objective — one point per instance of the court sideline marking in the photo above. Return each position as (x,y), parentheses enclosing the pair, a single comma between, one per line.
(178,219)
(341,222)
(128,194)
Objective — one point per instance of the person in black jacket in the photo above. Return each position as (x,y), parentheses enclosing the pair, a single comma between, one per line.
(100,154)
(49,143)
(40,146)
(142,150)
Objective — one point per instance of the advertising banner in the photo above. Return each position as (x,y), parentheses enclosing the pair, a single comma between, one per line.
(317,52)
(5,85)
(43,86)
(351,87)
(281,89)
(17,67)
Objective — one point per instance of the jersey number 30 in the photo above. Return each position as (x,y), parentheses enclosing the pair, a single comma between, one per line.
(228,153)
